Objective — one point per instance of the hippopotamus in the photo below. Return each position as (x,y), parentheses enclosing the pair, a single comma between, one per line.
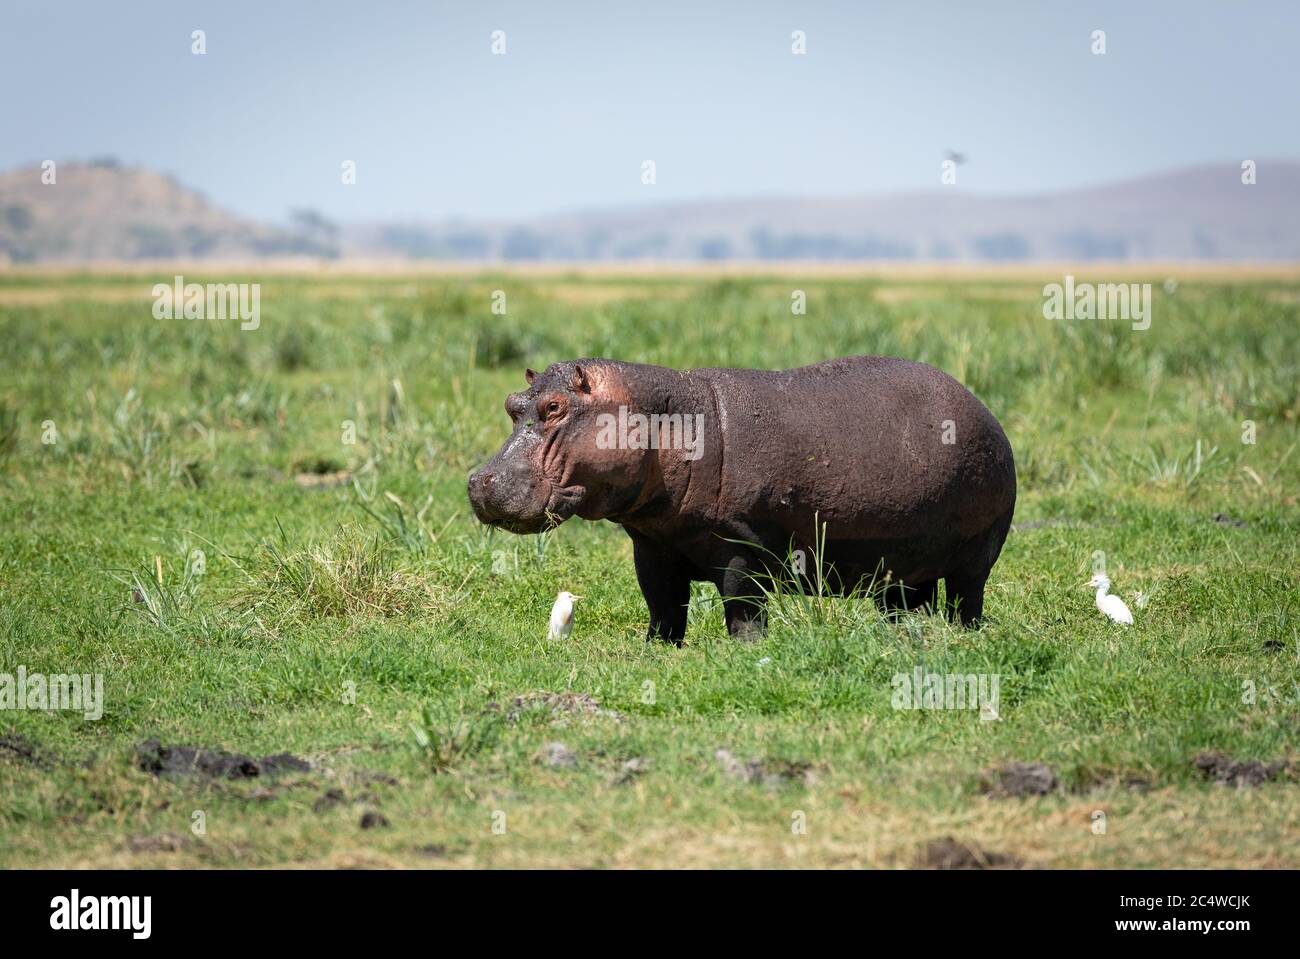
(862,475)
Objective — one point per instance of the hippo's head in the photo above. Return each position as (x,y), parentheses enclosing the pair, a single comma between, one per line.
(554,465)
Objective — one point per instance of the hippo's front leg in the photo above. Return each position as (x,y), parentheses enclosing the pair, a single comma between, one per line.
(665,581)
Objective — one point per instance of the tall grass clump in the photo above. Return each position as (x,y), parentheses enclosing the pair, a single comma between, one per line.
(173,605)
(354,573)
(445,741)
(802,592)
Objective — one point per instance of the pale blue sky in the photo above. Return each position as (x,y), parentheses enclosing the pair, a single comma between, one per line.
(710,91)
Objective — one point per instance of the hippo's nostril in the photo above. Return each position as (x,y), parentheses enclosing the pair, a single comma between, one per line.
(480,494)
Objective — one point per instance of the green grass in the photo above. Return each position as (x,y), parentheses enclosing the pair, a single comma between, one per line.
(366,621)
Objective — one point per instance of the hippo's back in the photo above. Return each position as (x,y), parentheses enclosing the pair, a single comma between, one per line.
(872,444)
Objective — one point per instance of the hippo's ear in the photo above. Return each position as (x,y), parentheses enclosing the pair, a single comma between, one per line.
(580,382)
(529,375)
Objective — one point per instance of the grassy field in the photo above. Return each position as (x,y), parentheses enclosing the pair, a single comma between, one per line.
(182,512)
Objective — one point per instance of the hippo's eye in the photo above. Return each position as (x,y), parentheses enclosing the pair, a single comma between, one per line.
(551,408)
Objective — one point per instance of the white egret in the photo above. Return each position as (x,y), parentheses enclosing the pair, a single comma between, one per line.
(1111,606)
(562,615)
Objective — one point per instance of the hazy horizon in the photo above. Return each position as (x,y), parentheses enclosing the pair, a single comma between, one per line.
(441,128)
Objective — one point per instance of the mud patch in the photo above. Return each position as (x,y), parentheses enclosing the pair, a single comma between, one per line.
(559,756)
(164,842)
(23,750)
(155,758)
(765,772)
(374,820)
(328,800)
(1015,780)
(559,708)
(335,797)
(1241,774)
(948,853)
(631,770)
(368,776)
(1223,519)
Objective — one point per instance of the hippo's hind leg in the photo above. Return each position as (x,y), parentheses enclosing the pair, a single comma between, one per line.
(665,583)
(966,582)
(966,598)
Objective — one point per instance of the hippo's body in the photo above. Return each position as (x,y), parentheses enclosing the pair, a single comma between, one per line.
(890,470)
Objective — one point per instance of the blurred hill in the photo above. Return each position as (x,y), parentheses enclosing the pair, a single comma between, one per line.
(102,211)
(1203,213)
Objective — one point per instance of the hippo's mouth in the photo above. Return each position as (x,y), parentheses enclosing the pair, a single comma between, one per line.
(561,503)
